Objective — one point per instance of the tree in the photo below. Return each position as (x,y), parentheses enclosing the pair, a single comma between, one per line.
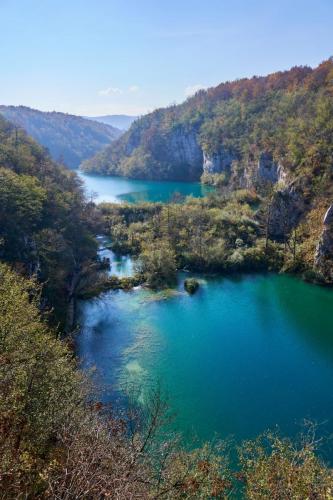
(40,388)
(21,208)
(157,262)
(46,225)
(277,468)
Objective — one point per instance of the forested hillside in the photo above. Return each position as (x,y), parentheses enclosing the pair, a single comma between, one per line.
(45,223)
(271,135)
(286,117)
(69,139)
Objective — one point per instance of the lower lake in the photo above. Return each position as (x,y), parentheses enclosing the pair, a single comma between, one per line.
(244,354)
(241,355)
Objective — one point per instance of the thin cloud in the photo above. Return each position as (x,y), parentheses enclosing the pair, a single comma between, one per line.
(132,89)
(110,91)
(193,89)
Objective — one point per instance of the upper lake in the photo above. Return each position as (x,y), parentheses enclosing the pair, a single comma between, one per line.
(118,189)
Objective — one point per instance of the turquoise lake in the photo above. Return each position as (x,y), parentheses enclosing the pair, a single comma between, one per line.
(242,355)
(118,189)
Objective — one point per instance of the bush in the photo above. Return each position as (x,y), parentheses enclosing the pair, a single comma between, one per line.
(276,468)
(157,263)
(191,285)
(40,387)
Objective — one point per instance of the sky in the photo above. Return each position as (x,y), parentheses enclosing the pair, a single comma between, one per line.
(98,57)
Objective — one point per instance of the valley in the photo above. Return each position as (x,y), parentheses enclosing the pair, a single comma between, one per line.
(166,298)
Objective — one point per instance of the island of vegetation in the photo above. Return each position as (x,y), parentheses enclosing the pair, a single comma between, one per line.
(191,285)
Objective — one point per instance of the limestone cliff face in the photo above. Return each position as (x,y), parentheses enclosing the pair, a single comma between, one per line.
(184,148)
(287,208)
(288,203)
(270,170)
(133,141)
(217,163)
(245,174)
(265,170)
(324,252)
(176,154)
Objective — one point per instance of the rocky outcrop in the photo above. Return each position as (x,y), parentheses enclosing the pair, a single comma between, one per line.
(324,251)
(287,207)
(184,148)
(191,285)
(217,163)
(174,155)
(264,170)
(269,170)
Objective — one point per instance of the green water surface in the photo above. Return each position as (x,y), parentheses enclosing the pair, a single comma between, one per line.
(117,189)
(242,355)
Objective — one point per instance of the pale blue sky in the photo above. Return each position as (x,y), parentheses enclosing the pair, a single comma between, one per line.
(96,57)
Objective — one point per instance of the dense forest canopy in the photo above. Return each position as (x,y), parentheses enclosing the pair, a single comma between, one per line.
(223,233)
(45,222)
(280,114)
(69,139)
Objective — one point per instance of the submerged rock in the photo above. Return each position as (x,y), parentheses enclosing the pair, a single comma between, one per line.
(191,285)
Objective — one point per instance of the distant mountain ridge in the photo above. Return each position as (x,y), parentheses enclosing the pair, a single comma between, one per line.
(69,138)
(122,122)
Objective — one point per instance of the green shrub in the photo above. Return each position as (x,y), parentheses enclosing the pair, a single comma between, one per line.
(191,285)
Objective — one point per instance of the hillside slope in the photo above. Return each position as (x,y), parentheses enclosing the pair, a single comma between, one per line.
(68,138)
(272,125)
(45,222)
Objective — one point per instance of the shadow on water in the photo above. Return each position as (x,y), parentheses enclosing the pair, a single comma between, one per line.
(311,313)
